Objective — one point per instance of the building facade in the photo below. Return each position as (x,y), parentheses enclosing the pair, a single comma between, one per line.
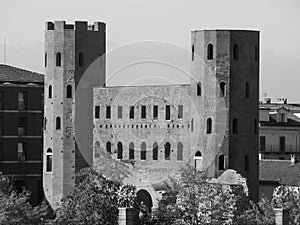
(21,140)
(210,123)
(69,51)
(279,131)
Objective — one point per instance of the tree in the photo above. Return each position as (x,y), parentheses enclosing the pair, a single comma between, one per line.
(15,207)
(288,197)
(192,199)
(95,200)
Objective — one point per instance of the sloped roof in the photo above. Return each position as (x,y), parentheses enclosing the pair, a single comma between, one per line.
(292,121)
(14,74)
(281,171)
(289,106)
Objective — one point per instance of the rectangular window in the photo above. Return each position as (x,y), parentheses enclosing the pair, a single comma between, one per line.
(180,111)
(1,99)
(120,109)
(262,143)
(97,112)
(168,112)
(1,126)
(21,151)
(49,163)
(108,113)
(143,113)
(131,112)
(155,112)
(282,144)
(281,115)
(22,125)
(22,100)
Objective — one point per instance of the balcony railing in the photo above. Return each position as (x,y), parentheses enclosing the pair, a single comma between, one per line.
(280,148)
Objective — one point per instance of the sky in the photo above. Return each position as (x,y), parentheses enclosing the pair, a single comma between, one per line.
(22,25)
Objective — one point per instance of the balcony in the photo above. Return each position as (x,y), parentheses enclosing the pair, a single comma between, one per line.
(288,149)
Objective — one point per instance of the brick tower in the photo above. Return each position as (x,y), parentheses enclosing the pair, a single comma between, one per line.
(70,52)
(225,71)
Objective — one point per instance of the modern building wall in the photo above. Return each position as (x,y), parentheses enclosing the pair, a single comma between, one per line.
(21,143)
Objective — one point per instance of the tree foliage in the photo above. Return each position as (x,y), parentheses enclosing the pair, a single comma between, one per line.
(95,200)
(288,197)
(191,199)
(15,208)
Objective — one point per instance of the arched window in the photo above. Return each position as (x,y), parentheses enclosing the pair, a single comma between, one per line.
(254,126)
(49,156)
(120,150)
(247,90)
(209,126)
(255,53)
(179,151)
(192,125)
(108,147)
(246,163)
(221,162)
(50,91)
(45,59)
(222,89)
(58,59)
(235,52)
(210,51)
(234,126)
(155,151)
(198,160)
(80,59)
(131,150)
(58,123)
(167,151)
(69,91)
(193,52)
(143,151)
(199,88)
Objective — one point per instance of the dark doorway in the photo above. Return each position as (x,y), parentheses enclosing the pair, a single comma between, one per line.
(145,197)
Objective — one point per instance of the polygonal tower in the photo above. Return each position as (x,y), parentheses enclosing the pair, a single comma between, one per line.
(225,81)
(69,51)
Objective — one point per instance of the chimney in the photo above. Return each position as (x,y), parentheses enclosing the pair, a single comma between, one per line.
(268,100)
(285,101)
(293,159)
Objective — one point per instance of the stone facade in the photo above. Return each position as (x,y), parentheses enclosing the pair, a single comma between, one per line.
(210,123)
(69,51)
